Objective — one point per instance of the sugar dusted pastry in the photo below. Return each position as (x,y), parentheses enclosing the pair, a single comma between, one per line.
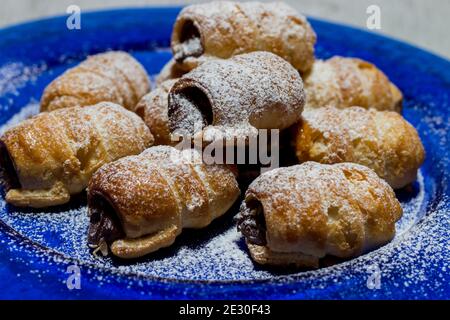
(235,97)
(153,108)
(140,204)
(346,82)
(113,76)
(53,155)
(294,216)
(224,29)
(380,140)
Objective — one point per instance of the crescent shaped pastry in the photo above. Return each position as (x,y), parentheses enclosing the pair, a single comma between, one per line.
(140,204)
(53,155)
(235,97)
(112,76)
(153,108)
(224,29)
(294,216)
(346,82)
(380,140)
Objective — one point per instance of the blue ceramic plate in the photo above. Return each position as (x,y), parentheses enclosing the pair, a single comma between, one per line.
(37,247)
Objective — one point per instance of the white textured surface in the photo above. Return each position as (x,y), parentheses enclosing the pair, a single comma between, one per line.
(421,22)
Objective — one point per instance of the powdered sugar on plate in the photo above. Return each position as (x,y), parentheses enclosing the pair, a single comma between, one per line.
(218,252)
(26,112)
(15,74)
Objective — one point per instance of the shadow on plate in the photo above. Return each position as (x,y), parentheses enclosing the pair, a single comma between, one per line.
(408,193)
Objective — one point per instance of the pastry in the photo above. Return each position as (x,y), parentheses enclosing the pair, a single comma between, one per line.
(232,98)
(380,140)
(346,82)
(171,70)
(153,108)
(54,154)
(295,216)
(113,76)
(224,29)
(140,204)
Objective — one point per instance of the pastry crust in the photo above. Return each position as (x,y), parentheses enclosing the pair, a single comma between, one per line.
(158,193)
(313,210)
(226,99)
(54,154)
(112,76)
(380,140)
(224,29)
(153,108)
(346,82)
(171,70)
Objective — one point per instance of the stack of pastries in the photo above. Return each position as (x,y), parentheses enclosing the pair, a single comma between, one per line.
(236,68)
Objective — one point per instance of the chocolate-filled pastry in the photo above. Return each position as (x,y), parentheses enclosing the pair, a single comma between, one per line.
(294,216)
(171,70)
(153,108)
(380,140)
(54,154)
(112,76)
(233,98)
(224,29)
(140,204)
(346,82)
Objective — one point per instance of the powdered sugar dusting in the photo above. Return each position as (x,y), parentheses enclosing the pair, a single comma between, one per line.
(248,89)
(217,252)
(112,76)
(26,112)
(15,74)
(229,28)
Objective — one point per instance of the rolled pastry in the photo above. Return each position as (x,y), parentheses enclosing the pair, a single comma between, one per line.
(54,154)
(113,76)
(297,215)
(153,108)
(139,204)
(171,70)
(224,29)
(346,82)
(380,140)
(235,97)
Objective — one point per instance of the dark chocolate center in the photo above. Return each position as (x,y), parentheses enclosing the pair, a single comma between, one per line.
(190,43)
(251,223)
(189,110)
(8,174)
(104,223)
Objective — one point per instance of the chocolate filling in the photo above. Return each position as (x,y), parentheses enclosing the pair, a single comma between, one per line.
(189,110)
(8,174)
(104,225)
(251,222)
(190,42)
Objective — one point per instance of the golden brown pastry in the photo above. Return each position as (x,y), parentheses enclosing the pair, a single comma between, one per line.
(140,204)
(380,140)
(113,76)
(54,154)
(171,70)
(224,29)
(153,108)
(346,82)
(233,98)
(297,215)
